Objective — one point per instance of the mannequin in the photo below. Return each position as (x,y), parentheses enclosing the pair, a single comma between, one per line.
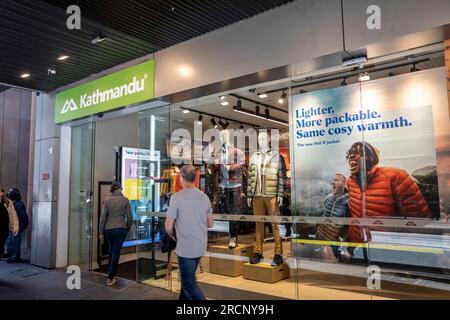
(230,162)
(263,141)
(265,188)
(134,169)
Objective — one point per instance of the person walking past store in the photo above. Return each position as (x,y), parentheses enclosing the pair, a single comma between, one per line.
(8,220)
(190,214)
(15,241)
(115,222)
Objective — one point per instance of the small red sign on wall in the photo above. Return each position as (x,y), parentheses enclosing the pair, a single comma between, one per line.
(46,176)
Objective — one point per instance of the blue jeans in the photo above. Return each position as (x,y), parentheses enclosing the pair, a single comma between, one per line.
(14,245)
(189,287)
(3,239)
(115,238)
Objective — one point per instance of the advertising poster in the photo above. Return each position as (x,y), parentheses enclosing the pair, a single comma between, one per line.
(139,169)
(383,144)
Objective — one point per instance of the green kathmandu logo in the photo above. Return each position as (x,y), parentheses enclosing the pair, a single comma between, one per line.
(69,105)
(97,96)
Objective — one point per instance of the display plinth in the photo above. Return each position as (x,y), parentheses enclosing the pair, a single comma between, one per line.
(230,264)
(265,272)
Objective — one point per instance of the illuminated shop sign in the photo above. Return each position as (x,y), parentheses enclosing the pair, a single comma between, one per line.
(122,88)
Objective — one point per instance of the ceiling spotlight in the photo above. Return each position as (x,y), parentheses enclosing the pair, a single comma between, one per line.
(241,126)
(63,57)
(282,98)
(414,69)
(214,123)
(51,71)
(344,82)
(262,95)
(257,109)
(224,103)
(222,97)
(186,111)
(98,38)
(226,125)
(364,77)
(25,75)
(200,118)
(267,113)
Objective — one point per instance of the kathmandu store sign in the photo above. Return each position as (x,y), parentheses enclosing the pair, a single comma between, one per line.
(122,88)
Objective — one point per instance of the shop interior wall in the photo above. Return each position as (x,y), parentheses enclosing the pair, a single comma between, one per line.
(122,131)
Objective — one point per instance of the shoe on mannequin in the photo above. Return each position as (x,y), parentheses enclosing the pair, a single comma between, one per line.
(233,243)
(256,258)
(277,260)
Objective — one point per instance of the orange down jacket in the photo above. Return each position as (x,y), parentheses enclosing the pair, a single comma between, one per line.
(391,192)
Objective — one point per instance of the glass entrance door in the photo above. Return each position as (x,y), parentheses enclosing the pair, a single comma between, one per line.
(153,186)
(81,194)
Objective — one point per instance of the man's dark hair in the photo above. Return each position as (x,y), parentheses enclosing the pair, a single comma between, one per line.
(115,186)
(14,194)
(188,172)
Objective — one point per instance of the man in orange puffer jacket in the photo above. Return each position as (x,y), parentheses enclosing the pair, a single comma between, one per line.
(381,192)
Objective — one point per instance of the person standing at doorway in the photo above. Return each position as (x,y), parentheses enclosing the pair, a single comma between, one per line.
(115,222)
(190,214)
(15,241)
(8,220)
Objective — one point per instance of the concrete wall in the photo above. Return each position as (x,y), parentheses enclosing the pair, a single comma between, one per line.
(398,18)
(16,167)
(15,121)
(292,34)
(45,183)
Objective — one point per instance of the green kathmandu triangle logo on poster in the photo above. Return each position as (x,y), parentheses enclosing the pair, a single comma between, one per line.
(120,89)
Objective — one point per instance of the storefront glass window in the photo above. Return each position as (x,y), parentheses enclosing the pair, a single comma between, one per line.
(242,162)
(407,189)
(350,207)
(384,140)
(81,195)
(148,177)
(326,150)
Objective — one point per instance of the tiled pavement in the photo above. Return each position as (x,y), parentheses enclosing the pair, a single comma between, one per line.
(23,281)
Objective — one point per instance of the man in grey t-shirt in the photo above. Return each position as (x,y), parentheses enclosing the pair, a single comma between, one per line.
(190,213)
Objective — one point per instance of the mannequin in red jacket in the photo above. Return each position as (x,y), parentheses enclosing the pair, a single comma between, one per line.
(381,192)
